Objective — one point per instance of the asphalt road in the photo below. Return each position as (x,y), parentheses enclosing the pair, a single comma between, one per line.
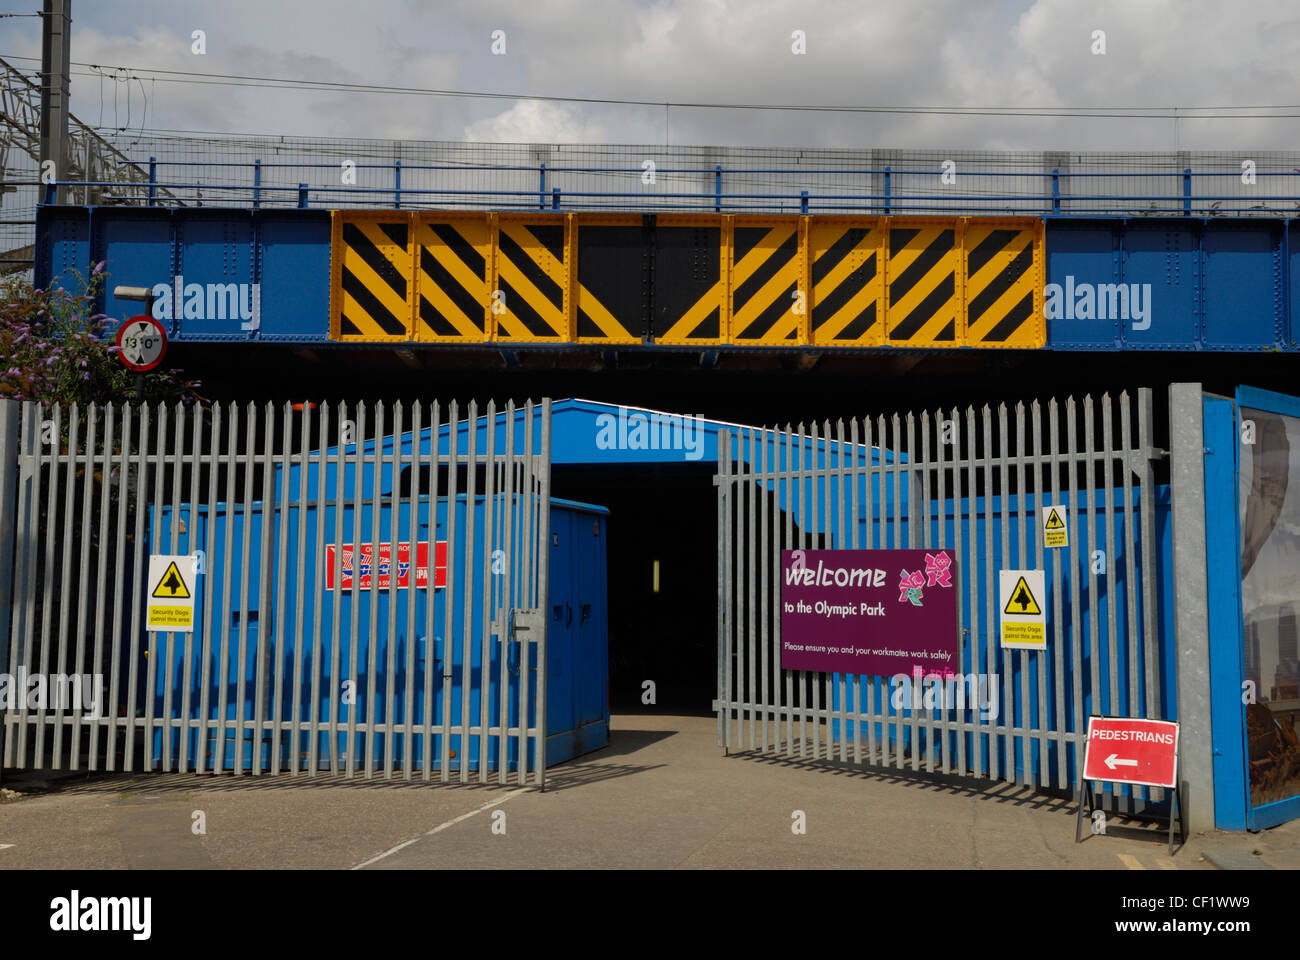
(662,795)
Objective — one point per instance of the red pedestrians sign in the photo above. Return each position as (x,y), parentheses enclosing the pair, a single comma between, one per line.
(1132,750)
(366,566)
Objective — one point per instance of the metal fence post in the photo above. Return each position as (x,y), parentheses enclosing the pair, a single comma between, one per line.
(1056,192)
(8,490)
(153,182)
(1191,606)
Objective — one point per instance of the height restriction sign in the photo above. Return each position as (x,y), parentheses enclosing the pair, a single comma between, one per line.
(170,592)
(142,343)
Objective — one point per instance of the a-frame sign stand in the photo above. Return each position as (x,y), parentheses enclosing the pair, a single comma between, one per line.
(1088,797)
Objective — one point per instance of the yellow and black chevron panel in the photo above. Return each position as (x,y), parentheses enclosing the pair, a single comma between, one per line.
(923,282)
(768,286)
(1004,283)
(373,277)
(848,257)
(614,255)
(688,279)
(530,298)
(452,255)
(688,283)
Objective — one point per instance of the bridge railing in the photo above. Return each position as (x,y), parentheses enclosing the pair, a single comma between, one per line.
(807,190)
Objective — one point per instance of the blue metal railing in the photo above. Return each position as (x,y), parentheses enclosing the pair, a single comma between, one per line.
(413,186)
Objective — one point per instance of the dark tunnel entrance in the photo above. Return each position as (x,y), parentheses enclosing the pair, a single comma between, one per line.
(662,579)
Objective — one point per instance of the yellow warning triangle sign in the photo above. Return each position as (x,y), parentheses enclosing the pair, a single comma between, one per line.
(172,585)
(1022,600)
(1054,521)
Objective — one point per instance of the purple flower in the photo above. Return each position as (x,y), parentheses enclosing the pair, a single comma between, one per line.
(99,267)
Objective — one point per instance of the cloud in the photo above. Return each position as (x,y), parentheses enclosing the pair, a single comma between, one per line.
(532,121)
(1012,53)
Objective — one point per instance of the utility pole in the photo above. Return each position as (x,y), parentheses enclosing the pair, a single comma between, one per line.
(56,35)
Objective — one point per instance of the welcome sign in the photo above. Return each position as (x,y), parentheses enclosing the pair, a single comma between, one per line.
(874,612)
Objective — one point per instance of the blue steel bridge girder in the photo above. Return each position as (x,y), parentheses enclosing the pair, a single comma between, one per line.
(1158,283)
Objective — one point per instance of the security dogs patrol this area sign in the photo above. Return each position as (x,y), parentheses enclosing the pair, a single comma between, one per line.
(170,592)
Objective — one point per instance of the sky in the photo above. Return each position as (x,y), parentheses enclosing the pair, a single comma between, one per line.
(901,55)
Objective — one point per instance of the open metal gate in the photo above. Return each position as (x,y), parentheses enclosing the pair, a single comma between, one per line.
(368,589)
(971,483)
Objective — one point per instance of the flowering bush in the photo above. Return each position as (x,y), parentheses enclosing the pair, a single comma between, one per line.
(55,350)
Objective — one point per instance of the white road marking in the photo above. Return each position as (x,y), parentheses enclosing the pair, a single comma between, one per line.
(1130,861)
(1164,864)
(5,846)
(440,827)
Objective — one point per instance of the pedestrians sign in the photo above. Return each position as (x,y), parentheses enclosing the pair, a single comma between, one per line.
(141,342)
(1132,750)
(1021,596)
(171,592)
(1056,531)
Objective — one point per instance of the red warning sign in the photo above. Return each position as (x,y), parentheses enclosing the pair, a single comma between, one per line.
(362,563)
(1132,750)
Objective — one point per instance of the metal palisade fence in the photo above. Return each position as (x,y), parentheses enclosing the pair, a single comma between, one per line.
(972,483)
(366,584)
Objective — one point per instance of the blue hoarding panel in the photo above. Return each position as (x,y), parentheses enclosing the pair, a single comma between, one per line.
(1292,241)
(1223,585)
(1104,614)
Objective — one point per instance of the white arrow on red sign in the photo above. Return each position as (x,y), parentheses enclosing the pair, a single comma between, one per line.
(1114,761)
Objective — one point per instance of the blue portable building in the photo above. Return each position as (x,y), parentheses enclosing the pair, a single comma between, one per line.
(320,646)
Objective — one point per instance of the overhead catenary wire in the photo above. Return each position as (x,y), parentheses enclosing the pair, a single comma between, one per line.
(1148,112)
